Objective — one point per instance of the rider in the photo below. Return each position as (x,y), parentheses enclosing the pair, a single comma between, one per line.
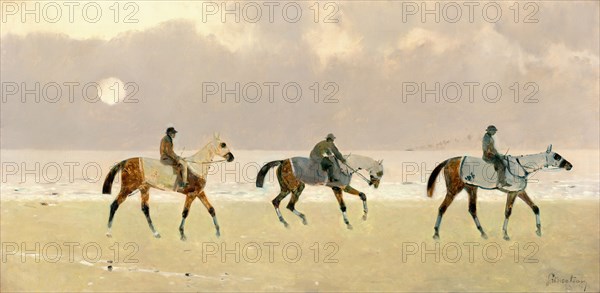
(491,155)
(168,156)
(322,153)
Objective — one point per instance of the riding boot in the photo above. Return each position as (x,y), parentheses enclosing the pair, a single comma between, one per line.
(502,179)
(183,183)
(182,179)
(331,176)
(184,172)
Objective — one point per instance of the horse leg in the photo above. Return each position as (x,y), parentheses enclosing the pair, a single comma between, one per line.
(339,196)
(285,190)
(114,206)
(282,194)
(146,210)
(211,211)
(292,204)
(186,209)
(362,196)
(454,185)
(443,207)
(510,201)
(472,191)
(131,179)
(523,195)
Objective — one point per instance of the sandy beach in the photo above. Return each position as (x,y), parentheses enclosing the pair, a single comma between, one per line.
(125,94)
(392,251)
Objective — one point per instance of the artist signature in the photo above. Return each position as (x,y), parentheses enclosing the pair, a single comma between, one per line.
(570,282)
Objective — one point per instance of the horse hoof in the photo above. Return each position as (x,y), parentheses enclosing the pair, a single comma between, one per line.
(364,217)
(156,235)
(218,233)
(436,236)
(285,224)
(484,236)
(349,227)
(539,233)
(183,238)
(506,237)
(303,218)
(108,234)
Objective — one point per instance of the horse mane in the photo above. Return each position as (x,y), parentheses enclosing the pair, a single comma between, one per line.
(200,150)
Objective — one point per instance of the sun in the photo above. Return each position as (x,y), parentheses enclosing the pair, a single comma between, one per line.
(111,90)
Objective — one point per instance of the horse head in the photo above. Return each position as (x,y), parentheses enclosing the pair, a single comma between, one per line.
(221,148)
(555,160)
(376,172)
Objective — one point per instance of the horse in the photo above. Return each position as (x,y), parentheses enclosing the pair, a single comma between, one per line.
(463,173)
(145,173)
(294,173)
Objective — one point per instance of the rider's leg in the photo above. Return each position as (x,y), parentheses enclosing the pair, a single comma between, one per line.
(327,165)
(184,171)
(501,169)
(177,169)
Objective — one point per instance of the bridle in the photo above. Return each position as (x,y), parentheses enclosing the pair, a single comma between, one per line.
(213,151)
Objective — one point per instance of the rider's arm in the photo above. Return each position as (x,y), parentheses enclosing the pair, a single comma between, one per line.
(167,149)
(489,148)
(337,153)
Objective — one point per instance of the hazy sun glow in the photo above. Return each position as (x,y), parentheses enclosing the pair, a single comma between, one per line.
(111,90)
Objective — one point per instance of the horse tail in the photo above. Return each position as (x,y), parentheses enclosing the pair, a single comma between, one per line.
(107,186)
(260,178)
(433,176)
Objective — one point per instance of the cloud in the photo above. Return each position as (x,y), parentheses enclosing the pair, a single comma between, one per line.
(419,38)
(366,55)
(334,41)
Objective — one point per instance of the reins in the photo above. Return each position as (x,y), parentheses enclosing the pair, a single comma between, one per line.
(356,171)
(211,162)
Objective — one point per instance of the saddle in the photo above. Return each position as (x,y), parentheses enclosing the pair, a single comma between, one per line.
(475,171)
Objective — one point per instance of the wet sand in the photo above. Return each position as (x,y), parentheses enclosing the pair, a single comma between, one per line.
(256,253)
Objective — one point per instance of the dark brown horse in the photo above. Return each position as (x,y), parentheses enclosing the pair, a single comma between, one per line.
(143,173)
(455,183)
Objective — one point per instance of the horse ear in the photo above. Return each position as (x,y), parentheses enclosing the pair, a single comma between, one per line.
(380,162)
(216,135)
(549,149)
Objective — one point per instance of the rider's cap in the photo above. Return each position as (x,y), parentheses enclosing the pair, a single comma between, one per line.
(330,136)
(171,130)
(491,128)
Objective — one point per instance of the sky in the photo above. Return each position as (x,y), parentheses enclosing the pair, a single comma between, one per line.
(285,74)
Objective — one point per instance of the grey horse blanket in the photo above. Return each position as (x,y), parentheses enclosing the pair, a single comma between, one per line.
(310,172)
(476,171)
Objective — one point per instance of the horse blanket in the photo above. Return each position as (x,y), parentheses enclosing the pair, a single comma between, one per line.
(310,172)
(163,176)
(476,171)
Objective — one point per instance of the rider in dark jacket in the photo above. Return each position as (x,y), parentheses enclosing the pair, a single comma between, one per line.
(323,151)
(168,156)
(491,155)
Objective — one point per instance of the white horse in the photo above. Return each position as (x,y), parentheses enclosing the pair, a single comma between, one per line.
(144,173)
(470,173)
(294,173)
